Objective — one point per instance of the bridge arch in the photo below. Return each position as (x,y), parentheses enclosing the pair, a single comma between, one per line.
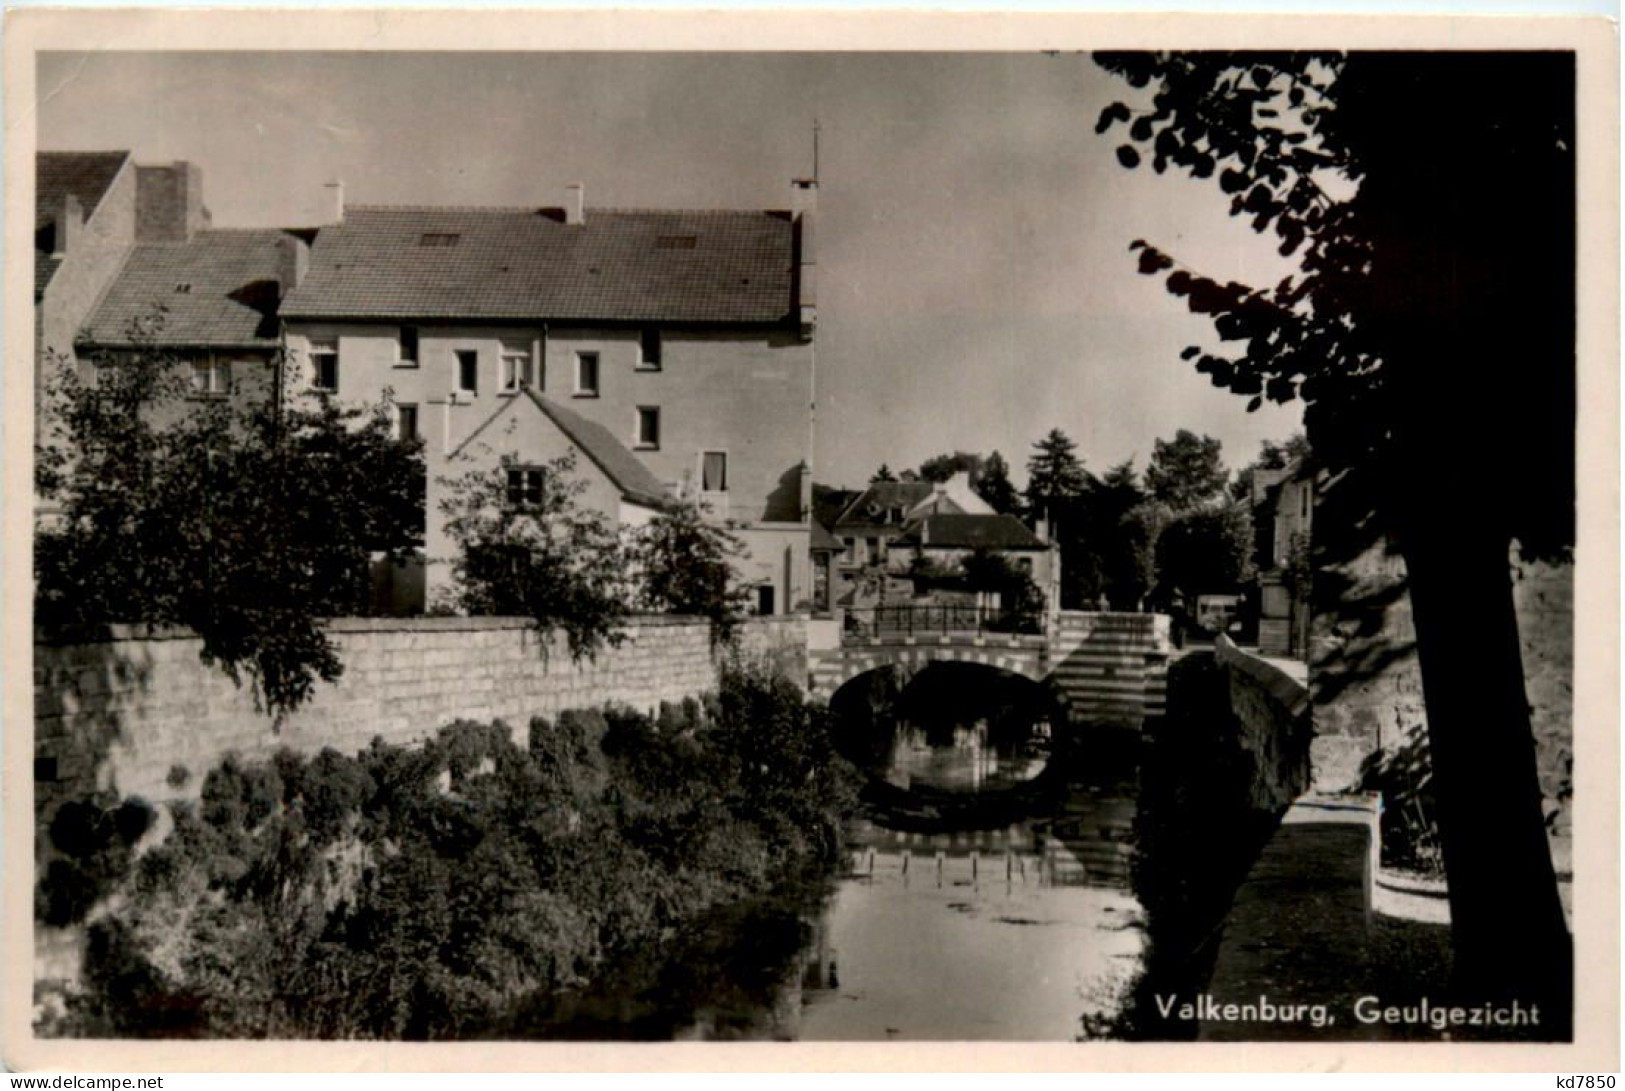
(833,669)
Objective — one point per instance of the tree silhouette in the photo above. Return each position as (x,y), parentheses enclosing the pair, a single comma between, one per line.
(994,486)
(1054,472)
(1186,471)
(883,474)
(1430,200)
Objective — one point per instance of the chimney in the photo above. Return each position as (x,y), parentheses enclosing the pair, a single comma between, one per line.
(803,205)
(292,261)
(332,203)
(69,222)
(575,203)
(169,203)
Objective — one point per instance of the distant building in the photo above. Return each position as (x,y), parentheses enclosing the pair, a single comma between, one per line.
(904,541)
(1283,504)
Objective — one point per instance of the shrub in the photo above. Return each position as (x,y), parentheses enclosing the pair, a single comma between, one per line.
(424,893)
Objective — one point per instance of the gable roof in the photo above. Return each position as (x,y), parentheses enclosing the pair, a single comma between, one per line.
(872,504)
(525,263)
(997,532)
(217,290)
(631,477)
(819,538)
(87,176)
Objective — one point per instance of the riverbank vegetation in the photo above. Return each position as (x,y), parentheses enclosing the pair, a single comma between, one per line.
(425,893)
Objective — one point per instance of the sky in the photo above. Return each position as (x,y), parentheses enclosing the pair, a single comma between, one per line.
(975,283)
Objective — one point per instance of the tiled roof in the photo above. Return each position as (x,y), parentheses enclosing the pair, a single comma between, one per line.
(219,289)
(872,506)
(86,175)
(821,538)
(634,480)
(492,263)
(972,532)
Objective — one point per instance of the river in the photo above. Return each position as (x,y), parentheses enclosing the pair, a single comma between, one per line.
(985,897)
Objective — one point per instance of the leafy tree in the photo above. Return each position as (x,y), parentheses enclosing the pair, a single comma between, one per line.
(994,486)
(1123,554)
(941,467)
(883,474)
(248,523)
(1055,473)
(1186,471)
(1430,199)
(685,566)
(529,550)
(985,571)
(1207,550)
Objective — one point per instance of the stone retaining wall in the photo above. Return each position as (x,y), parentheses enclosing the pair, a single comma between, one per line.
(141,714)
(1273,710)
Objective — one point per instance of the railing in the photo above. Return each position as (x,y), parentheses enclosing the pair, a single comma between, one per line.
(894,621)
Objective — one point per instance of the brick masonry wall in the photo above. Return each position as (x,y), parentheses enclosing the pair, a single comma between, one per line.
(122,713)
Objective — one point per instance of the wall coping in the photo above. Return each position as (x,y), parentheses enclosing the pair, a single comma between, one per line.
(1292,694)
(124,632)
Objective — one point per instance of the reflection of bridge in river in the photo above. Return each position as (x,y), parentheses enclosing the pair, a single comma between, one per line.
(1088,844)
(1101,666)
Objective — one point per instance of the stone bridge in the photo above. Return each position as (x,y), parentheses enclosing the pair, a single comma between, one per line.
(1102,666)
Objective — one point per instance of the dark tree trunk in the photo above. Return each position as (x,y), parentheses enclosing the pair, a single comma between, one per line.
(1510,938)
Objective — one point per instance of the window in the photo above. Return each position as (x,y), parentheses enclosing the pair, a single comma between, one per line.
(714,471)
(764,599)
(324,365)
(524,486)
(586,375)
(468,371)
(518,366)
(211,378)
(648,436)
(406,421)
(851,554)
(409,347)
(649,351)
(877,549)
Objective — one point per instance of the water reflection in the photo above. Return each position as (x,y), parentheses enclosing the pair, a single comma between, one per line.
(986,894)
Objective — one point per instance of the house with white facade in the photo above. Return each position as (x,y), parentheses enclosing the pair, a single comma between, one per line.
(671,349)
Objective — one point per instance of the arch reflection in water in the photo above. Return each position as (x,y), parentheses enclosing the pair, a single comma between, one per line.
(947,727)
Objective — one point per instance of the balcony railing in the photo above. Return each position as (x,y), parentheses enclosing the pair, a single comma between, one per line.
(890,622)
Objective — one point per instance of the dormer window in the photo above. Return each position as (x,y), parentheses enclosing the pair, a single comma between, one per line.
(649,351)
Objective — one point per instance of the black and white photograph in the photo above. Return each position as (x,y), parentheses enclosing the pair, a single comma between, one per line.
(1052,543)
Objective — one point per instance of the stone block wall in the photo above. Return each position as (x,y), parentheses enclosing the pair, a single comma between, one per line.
(1368,683)
(132,712)
(1273,711)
